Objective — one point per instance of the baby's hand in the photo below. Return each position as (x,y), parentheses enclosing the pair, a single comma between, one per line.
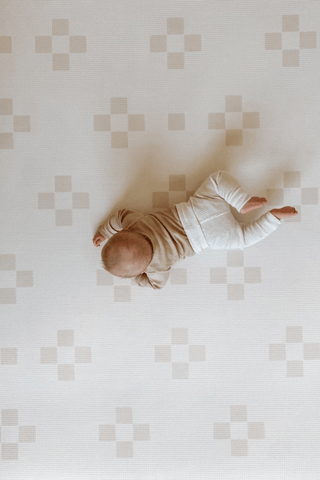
(98,239)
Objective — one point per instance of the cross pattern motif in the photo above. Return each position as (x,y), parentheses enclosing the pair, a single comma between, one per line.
(239,430)
(12,278)
(63,196)
(60,44)
(180,353)
(65,355)
(294,351)
(11,124)
(124,432)
(290,40)
(12,434)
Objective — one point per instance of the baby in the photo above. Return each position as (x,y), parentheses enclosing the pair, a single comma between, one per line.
(144,247)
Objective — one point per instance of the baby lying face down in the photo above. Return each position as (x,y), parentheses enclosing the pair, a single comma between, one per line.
(126,254)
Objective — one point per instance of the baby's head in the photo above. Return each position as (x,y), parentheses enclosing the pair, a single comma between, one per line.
(126,254)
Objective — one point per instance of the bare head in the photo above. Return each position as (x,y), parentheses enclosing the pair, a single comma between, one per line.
(127,254)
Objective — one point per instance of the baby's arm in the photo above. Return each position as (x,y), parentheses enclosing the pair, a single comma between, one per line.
(112,226)
(98,239)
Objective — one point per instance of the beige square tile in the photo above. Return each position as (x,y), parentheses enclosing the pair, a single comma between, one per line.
(216,121)
(192,43)
(46,201)
(5,45)
(24,279)
(83,354)
(158,43)
(179,336)
(294,334)
(178,276)
(290,58)
(180,371)
(49,355)
(218,275)
(136,123)
(60,26)
(277,352)
(292,179)
(275,196)
(6,141)
(162,353)
(251,120)
(66,373)
(124,449)
(10,451)
(7,261)
(119,139)
(21,123)
(295,368)
(221,430)
(197,353)
(43,44)
(177,183)
(160,199)
(27,434)
(309,196)
(124,415)
(9,417)
(60,61)
(273,41)
(239,448)
(63,183)
(141,432)
(234,138)
(104,278)
(290,23)
(235,291)
(175,26)
(119,105)
(175,60)
(78,44)
(102,123)
(122,294)
(308,39)
(252,275)
(238,413)
(176,121)
(311,351)
(7,296)
(235,258)
(6,106)
(9,356)
(233,103)
(256,430)
(107,433)
(65,338)
(80,200)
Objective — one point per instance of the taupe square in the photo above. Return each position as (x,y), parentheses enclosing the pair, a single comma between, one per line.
(82,354)
(9,417)
(6,106)
(295,368)
(27,434)
(218,275)
(290,23)
(235,258)
(294,334)
(238,413)
(175,26)
(175,60)
(7,261)
(60,26)
(78,44)
(308,39)
(273,41)
(102,123)
(119,139)
(66,373)
(309,196)
(119,105)
(239,448)
(5,45)
(80,200)
(180,371)
(179,336)
(177,183)
(65,338)
(197,353)
(236,291)
(10,451)
(21,123)
(107,433)
(176,121)
(233,103)
(162,353)
(104,278)
(124,449)
(49,355)
(311,351)
(216,121)
(158,43)
(124,415)
(290,58)
(292,179)
(252,275)
(160,199)
(60,61)
(63,183)
(251,120)
(43,45)
(256,430)
(63,218)
(277,352)
(46,200)
(9,356)
(178,276)
(24,278)
(122,294)
(275,196)
(141,432)
(192,43)
(7,295)
(6,141)
(234,138)
(136,123)
(221,431)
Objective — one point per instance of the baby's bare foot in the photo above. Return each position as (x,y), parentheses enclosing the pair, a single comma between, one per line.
(284,212)
(253,203)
